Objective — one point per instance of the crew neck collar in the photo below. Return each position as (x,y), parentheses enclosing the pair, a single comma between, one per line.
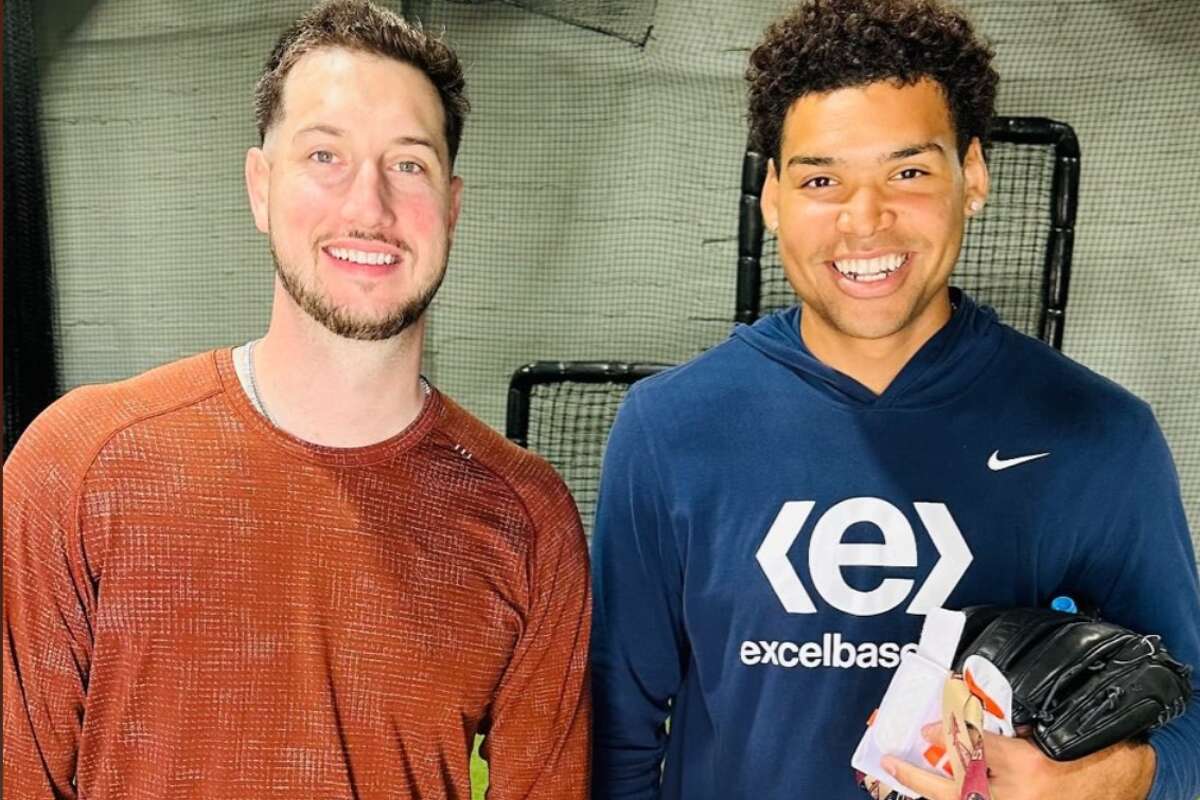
(431,411)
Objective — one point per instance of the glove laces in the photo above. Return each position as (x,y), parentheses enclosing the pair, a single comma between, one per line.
(1045,714)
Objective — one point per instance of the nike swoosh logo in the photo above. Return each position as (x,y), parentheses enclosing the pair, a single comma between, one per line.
(996,463)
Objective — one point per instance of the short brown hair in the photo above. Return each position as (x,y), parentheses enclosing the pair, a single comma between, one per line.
(825,45)
(362,26)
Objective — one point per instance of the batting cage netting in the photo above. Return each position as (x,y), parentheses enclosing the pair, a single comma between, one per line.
(603,169)
(564,411)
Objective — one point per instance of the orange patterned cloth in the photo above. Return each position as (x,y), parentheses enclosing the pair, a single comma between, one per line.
(198,605)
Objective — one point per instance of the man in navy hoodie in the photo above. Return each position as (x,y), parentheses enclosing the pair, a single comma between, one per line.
(777,516)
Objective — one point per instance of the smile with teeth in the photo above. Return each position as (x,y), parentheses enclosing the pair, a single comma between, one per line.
(361,256)
(867,270)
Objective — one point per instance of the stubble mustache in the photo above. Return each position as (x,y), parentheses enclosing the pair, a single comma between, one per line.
(365,236)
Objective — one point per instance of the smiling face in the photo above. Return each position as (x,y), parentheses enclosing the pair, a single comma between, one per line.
(353,185)
(869,203)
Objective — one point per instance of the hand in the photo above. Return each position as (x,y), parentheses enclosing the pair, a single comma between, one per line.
(1018,770)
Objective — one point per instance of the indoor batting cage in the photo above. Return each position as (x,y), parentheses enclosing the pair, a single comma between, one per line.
(606,174)
(611,225)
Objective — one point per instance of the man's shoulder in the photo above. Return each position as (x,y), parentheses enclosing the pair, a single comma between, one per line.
(703,384)
(110,407)
(73,429)
(1059,388)
(529,477)
(713,385)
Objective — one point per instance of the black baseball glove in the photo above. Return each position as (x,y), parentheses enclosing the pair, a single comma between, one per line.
(1081,684)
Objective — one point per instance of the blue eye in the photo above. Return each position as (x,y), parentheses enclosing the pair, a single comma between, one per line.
(322,157)
(410,167)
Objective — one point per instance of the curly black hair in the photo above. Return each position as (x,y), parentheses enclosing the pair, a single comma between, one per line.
(825,45)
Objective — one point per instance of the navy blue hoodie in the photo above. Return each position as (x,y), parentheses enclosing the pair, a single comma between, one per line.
(770,533)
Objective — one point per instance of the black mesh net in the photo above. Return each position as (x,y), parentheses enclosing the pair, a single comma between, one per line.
(568,426)
(567,420)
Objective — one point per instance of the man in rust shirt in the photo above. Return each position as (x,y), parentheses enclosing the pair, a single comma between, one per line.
(295,569)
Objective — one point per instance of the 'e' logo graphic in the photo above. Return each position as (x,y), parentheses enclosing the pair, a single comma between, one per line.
(827,554)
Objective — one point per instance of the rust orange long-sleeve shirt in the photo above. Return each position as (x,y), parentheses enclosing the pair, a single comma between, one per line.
(198,605)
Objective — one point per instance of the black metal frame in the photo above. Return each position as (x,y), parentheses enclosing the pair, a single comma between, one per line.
(520,387)
(1056,272)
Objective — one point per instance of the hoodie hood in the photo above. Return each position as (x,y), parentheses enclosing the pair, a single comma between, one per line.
(942,369)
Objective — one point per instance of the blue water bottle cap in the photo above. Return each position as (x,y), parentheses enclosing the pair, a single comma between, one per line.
(1064,604)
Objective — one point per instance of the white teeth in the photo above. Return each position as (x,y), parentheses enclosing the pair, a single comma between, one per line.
(868,270)
(361,256)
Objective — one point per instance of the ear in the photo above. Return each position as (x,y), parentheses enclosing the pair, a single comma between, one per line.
(976,178)
(456,186)
(258,178)
(768,201)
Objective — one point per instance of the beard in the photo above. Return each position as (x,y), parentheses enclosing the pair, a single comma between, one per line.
(347,324)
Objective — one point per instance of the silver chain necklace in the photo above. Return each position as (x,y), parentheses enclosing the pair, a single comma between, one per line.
(426,389)
(254,395)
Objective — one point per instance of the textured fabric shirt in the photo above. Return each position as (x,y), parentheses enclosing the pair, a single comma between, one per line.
(197,604)
(770,534)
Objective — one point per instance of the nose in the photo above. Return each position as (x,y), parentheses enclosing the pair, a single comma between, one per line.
(864,214)
(366,203)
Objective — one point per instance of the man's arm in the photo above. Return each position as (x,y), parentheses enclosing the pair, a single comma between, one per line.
(539,743)
(49,596)
(1141,571)
(1144,577)
(639,649)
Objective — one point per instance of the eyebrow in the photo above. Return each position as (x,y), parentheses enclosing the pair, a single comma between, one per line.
(404,139)
(895,155)
(914,150)
(811,161)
